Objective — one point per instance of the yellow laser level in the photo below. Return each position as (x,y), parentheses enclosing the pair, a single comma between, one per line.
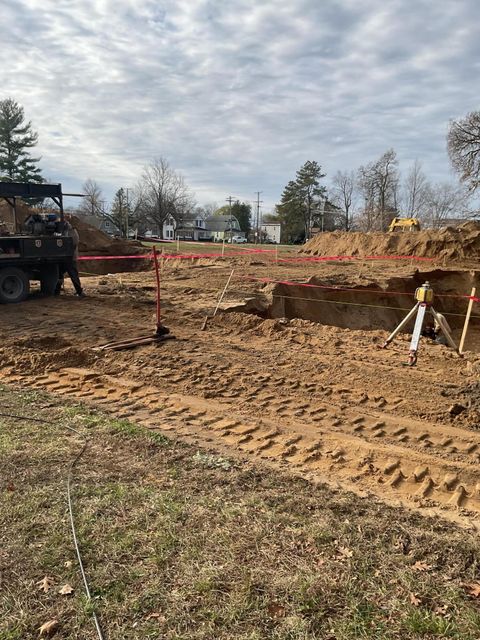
(424,293)
(423,305)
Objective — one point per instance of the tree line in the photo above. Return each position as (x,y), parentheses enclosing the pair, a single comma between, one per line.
(159,196)
(366,199)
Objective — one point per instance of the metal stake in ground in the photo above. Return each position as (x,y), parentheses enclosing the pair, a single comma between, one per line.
(161,332)
(219,302)
(424,298)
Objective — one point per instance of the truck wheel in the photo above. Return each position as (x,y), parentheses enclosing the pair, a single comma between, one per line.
(14,285)
(48,280)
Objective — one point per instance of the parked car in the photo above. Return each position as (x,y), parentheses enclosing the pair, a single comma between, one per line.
(238,240)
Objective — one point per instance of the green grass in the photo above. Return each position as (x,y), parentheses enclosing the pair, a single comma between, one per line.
(186,544)
(216,247)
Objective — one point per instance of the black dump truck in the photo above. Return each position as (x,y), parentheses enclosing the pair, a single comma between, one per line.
(35,248)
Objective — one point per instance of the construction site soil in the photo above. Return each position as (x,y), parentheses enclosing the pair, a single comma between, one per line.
(289,375)
(448,243)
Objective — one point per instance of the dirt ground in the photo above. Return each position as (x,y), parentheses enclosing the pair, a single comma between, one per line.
(322,401)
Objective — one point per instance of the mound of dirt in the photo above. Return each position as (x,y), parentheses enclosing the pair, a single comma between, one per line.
(94,242)
(6,215)
(450,243)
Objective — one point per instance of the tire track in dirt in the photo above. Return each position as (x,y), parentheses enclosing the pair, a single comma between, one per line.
(361,447)
(320,401)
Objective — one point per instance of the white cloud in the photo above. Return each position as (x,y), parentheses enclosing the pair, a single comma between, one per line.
(237,95)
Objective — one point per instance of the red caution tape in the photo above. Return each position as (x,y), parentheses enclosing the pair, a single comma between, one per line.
(190,256)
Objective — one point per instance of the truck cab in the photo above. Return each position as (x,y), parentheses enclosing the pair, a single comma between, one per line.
(34,249)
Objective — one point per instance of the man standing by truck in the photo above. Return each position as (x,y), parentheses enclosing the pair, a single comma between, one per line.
(70,266)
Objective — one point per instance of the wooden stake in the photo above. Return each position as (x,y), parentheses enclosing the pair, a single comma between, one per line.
(223,247)
(204,325)
(467,320)
(178,245)
(276,253)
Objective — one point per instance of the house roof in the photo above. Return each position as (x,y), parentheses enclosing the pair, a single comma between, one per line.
(221,223)
(100,223)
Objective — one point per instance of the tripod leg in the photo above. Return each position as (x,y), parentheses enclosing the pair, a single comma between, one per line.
(402,324)
(417,332)
(444,329)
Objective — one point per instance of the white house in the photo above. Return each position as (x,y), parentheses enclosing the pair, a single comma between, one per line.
(194,229)
(272,231)
(169,229)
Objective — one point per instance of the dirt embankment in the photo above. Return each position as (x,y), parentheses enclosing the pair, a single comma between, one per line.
(94,242)
(448,243)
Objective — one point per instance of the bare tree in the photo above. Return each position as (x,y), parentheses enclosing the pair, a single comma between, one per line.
(92,203)
(343,192)
(463,141)
(162,194)
(209,209)
(415,191)
(445,200)
(378,183)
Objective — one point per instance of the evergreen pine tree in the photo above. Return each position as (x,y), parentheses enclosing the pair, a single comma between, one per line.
(300,201)
(121,213)
(16,138)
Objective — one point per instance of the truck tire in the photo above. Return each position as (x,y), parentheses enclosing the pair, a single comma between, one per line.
(49,279)
(14,285)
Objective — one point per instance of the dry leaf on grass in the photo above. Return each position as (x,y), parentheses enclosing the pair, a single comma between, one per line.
(66,590)
(49,628)
(67,564)
(45,583)
(345,552)
(421,566)
(276,610)
(156,616)
(473,589)
(414,600)
(441,611)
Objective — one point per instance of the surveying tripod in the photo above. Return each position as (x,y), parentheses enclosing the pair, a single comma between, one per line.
(424,300)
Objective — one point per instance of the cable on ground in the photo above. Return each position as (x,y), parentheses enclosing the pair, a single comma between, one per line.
(360,304)
(70,506)
(335,288)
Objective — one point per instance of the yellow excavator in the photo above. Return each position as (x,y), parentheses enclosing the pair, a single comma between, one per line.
(404,224)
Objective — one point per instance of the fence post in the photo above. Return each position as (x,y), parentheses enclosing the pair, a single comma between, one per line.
(467,320)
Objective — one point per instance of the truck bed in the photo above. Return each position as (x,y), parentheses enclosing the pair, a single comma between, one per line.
(33,250)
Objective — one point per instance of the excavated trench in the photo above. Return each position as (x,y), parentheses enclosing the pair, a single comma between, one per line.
(370,306)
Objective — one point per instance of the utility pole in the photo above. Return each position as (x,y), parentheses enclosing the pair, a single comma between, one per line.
(230,200)
(257,225)
(127,189)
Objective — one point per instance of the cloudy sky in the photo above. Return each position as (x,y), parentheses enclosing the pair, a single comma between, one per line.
(237,94)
